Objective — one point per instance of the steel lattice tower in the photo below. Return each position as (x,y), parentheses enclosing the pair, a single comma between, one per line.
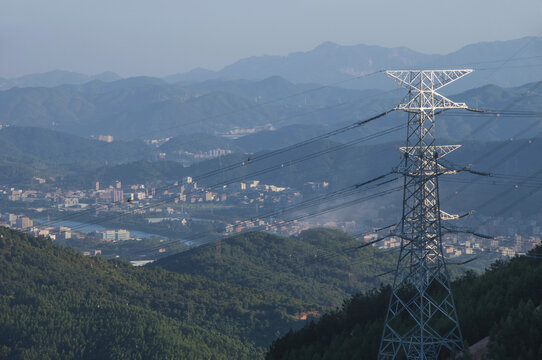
(421,318)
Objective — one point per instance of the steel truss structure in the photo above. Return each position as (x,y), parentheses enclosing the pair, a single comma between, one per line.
(421,319)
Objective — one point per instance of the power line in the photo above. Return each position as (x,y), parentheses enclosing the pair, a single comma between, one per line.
(351,190)
(269,102)
(271,168)
(270,154)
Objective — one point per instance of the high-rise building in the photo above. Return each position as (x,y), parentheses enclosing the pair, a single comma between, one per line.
(12,219)
(118,195)
(122,234)
(23,222)
(109,235)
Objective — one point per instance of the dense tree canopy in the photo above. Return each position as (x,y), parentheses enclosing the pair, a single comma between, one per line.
(500,303)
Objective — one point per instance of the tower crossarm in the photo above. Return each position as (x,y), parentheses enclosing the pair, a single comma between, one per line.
(416,79)
(428,155)
(446,216)
(417,102)
(434,151)
(423,85)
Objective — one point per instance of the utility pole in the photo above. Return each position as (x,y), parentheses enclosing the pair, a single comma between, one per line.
(421,319)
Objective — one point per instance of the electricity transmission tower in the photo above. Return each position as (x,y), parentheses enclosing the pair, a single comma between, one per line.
(421,319)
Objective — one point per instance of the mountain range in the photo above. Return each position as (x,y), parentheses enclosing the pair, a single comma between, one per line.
(150,108)
(504,63)
(55,78)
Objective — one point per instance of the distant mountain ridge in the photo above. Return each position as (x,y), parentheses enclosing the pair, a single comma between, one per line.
(59,148)
(520,59)
(151,108)
(331,63)
(55,78)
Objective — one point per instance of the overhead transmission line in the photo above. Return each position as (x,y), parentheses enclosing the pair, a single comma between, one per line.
(270,154)
(321,87)
(267,155)
(330,135)
(279,99)
(282,98)
(274,167)
(449,230)
(326,198)
(499,147)
(380,239)
(284,222)
(285,150)
(268,102)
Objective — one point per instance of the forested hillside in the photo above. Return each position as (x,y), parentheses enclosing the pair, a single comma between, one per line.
(503,303)
(149,108)
(320,266)
(60,148)
(226,303)
(58,304)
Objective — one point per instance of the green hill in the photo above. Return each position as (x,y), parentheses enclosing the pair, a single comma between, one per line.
(56,303)
(319,266)
(138,107)
(150,108)
(501,303)
(228,303)
(59,148)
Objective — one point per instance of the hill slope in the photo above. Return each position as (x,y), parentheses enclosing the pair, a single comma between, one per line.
(319,266)
(56,303)
(150,108)
(500,303)
(132,108)
(57,147)
(55,78)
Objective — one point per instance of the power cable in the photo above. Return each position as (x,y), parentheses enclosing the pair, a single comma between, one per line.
(267,155)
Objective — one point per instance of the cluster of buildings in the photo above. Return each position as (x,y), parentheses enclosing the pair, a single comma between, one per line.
(161,203)
(188,157)
(24,223)
(509,236)
(58,232)
(455,245)
(238,132)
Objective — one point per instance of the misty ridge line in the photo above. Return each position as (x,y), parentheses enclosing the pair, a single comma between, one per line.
(328,62)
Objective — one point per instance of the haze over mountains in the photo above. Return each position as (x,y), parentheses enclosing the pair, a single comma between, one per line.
(148,108)
(330,63)
(249,115)
(272,92)
(77,162)
(55,78)
(231,297)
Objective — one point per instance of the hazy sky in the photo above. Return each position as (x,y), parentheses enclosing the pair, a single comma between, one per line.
(162,37)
